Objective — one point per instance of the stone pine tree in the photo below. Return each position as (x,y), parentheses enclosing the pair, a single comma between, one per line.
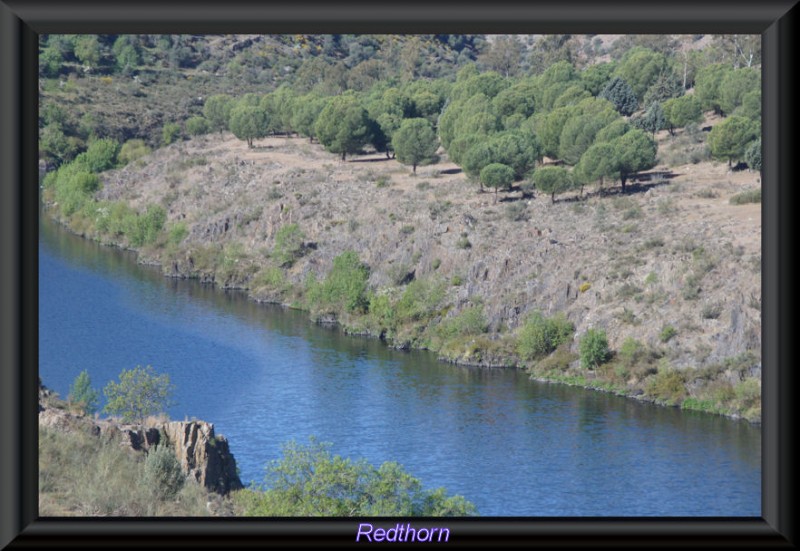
(497,175)
(752,155)
(679,112)
(343,127)
(415,142)
(596,164)
(217,110)
(249,123)
(620,95)
(633,152)
(552,180)
(729,138)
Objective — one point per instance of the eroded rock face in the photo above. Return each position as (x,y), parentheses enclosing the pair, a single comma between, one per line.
(204,456)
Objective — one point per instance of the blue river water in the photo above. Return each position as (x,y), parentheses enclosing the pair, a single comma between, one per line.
(264,376)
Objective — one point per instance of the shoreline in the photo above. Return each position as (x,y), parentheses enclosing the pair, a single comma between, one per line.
(495,361)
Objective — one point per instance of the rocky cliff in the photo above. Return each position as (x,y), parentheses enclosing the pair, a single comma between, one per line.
(204,456)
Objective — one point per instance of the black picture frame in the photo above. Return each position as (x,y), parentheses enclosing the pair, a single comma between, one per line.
(21,22)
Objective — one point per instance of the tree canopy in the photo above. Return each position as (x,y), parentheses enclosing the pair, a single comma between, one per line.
(140,392)
(415,142)
(343,126)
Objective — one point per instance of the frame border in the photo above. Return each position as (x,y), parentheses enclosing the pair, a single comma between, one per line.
(20,25)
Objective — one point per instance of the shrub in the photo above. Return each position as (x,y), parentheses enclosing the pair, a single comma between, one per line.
(170,133)
(101,155)
(752,196)
(163,474)
(539,336)
(463,242)
(145,228)
(711,311)
(667,332)
(667,386)
(470,321)
(288,245)
(631,352)
(345,287)
(177,233)
(133,150)
(585,286)
(310,481)
(593,348)
(197,126)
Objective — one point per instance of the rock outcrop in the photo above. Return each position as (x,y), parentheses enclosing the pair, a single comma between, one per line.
(204,456)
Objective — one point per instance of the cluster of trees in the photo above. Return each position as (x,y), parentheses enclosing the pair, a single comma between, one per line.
(139,393)
(599,122)
(599,119)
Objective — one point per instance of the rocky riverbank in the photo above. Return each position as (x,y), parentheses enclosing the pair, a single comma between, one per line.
(672,265)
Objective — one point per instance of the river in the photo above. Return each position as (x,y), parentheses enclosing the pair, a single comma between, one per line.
(264,375)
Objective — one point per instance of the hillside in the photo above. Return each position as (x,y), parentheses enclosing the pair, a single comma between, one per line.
(619,248)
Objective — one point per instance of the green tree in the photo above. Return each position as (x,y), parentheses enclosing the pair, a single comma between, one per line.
(752,155)
(87,50)
(310,481)
(197,126)
(595,77)
(248,123)
(579,133)
(497,175)
(217,109)
(633,152)
(597,163)
(621,95)
(504,55)
(519,98)
(735,85)
(666,86)
(552,180)
(343,127)
(707,85)
(82,393)
(415,142)
(653,119)
(140,392)
(679,112)
(729,139)
(594,349)
(640,68)
(306,113)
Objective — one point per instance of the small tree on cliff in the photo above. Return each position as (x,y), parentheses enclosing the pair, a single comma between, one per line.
(82,393)
(139,393)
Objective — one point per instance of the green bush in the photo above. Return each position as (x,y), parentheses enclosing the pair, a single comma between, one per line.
(420,300)
(631,352)
(539,336)
(101,155)
(145,228)
(288,245)
(594,349)
(345,287)
(177,233)
(470,321)
(170,133)
(163,474)
(667,386)
(310,481)
(667,332)
(133,150)
(197,126)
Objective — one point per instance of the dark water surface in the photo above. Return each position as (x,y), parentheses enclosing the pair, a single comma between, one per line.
(264,376)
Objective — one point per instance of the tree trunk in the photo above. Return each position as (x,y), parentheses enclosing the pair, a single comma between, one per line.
(414,168)
(622,178)
(553,198)
(343,155)
(495,195)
